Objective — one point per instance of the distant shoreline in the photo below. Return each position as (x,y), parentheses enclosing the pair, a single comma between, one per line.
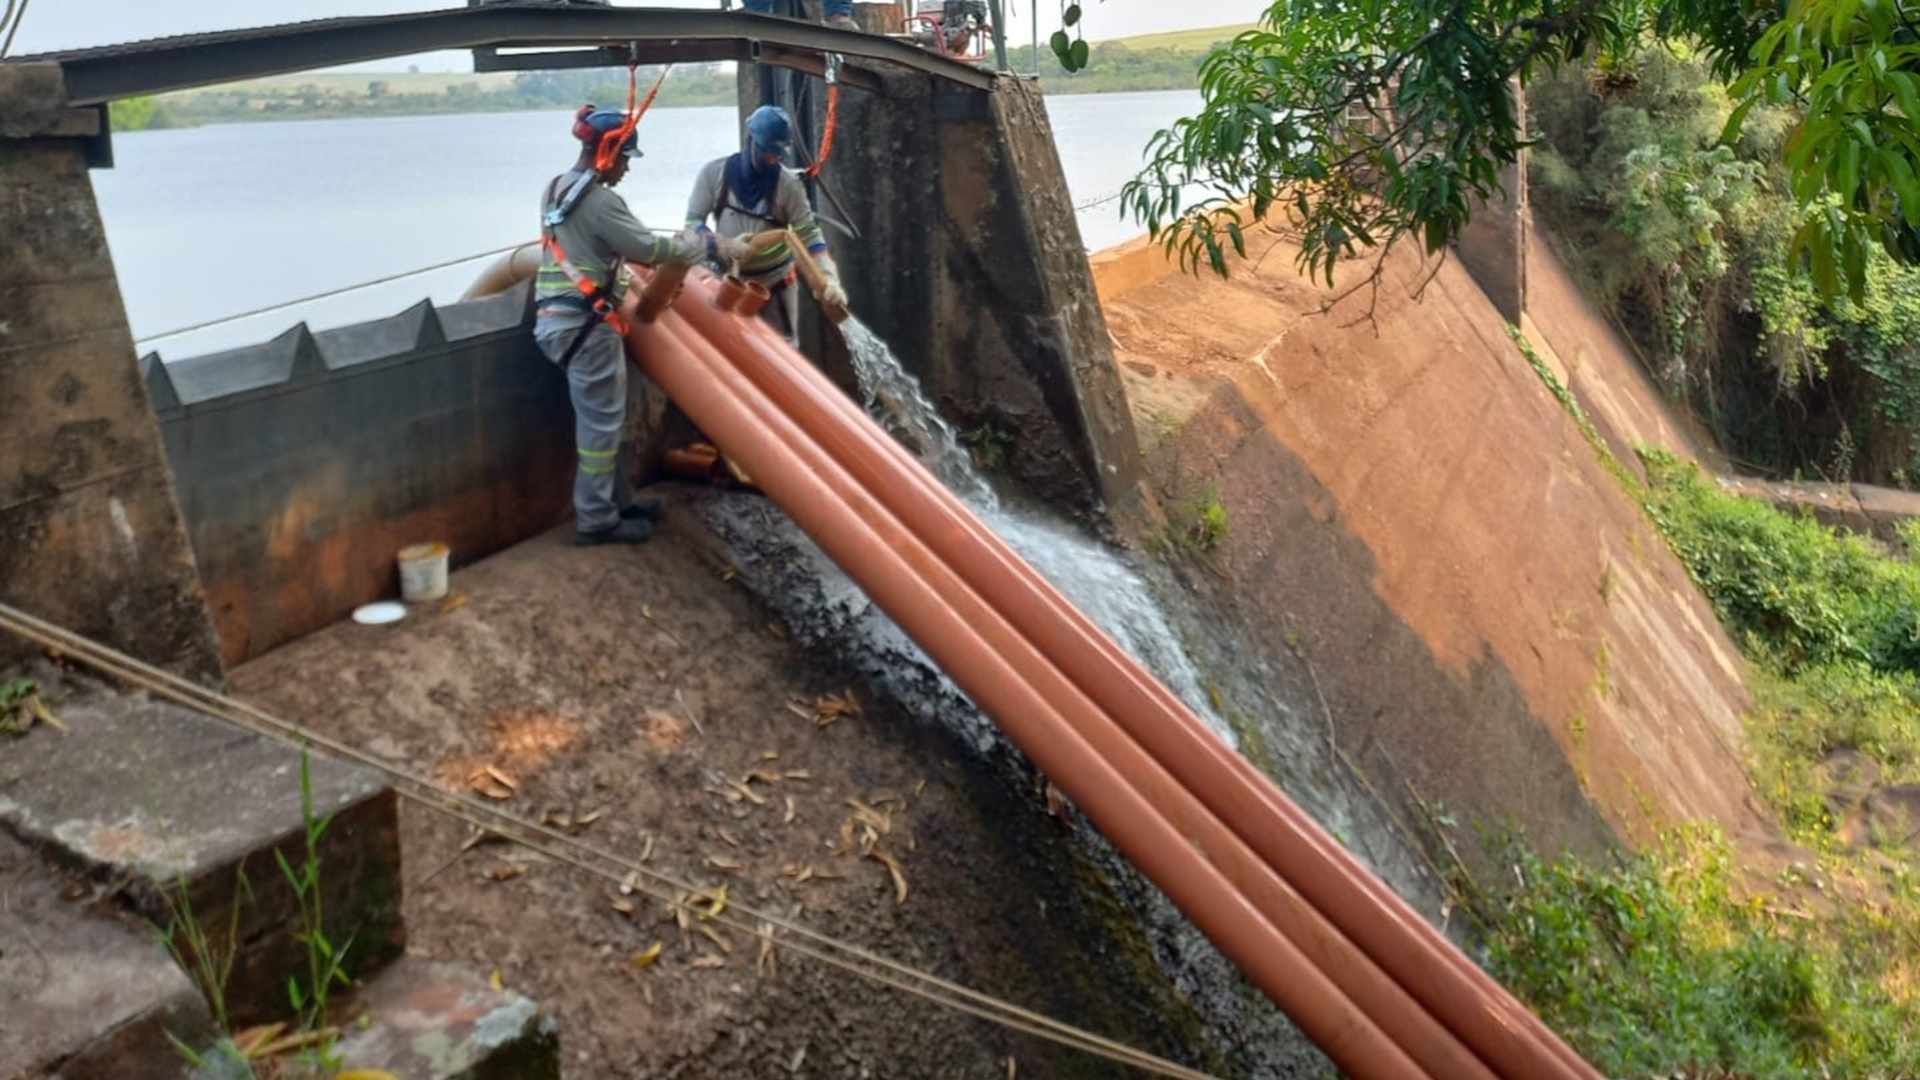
(180,111)
(1155,64)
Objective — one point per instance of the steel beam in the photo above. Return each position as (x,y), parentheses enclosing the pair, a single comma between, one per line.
(180,63)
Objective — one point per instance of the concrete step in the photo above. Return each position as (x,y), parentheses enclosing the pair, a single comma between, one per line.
(85,996)
(432,1021)
(168,812)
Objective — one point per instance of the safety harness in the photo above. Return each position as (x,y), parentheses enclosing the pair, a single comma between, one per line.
(595,299)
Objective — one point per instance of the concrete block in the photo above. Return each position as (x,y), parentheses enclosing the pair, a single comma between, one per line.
(33,102)
(37,315)
(299,498)
(430,1021)
(510,310)
(54,233)
(159,384)
(288,358)
(76,414)
(109,560)
(183,814)
(381,339)
(84,997)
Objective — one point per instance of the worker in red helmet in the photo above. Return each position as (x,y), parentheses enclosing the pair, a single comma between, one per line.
(753,192)
(589,236)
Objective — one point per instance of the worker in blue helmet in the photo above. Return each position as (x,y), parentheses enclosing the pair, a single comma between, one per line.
(752,192)
(588,236)
(835,13)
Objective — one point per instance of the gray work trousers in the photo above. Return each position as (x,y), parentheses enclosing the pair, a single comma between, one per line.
(597,380)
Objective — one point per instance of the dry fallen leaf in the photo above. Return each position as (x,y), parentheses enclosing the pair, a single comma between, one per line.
(492,783)
(724,863)
(918,788)
(496,981)
(652,954)
(894,868)
(506,872)
(715,937)
(746,792)
(788,820)
(646,852)
(249,1042)
(580,823)
(624,907)
(40,713)
(797,774)
(296,1041)
(769,755)
(453,603)
(799,1056)
(768,961)
(725,836)
(765,776)
(710,961)
(477,836)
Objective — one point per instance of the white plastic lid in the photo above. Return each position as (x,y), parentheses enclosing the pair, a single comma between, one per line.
(380,614)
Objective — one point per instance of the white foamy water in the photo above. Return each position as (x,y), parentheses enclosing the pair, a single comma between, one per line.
(1095,577)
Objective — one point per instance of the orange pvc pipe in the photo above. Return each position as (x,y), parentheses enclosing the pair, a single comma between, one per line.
(1502,1031)
(1419,956)
(993,664)
(1434,1048)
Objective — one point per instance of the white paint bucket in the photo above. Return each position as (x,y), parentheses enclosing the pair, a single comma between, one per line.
(423,572)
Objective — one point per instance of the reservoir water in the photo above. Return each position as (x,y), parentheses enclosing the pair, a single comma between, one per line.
(209,222)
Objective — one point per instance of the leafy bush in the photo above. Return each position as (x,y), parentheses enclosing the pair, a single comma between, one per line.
(1802,593)
(1658,965)
(1689,244)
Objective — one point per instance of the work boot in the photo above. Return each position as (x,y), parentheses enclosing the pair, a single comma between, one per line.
(627,532)
(644,510)
(841,22)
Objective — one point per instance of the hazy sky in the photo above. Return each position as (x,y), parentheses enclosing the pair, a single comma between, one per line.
(65,24)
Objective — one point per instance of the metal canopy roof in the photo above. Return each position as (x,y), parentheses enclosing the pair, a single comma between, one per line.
(602,35)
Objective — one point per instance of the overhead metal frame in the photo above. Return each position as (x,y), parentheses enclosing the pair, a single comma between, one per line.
(591,35)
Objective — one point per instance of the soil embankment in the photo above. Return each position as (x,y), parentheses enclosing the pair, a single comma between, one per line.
(1490,620)
(643,697)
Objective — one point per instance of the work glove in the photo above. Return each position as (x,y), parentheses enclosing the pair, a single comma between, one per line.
(730,249)
(832,294)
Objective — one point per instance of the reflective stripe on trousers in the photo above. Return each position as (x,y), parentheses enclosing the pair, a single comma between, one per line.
(597,383)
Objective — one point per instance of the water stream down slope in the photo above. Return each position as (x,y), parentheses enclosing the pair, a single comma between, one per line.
(1380,991)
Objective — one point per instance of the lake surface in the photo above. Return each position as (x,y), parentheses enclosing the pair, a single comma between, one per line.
(210,222)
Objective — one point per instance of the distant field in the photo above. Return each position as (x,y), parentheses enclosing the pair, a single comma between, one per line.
(401,82)
(1184,40)
(436,82)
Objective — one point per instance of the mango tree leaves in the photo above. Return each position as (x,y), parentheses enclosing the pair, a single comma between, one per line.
(1372,121)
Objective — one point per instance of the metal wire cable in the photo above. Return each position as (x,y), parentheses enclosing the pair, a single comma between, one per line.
(18,18)
(562,847)
(270,308)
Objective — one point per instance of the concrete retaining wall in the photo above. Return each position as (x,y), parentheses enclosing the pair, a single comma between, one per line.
(90,533)
(303,465)
(970,266)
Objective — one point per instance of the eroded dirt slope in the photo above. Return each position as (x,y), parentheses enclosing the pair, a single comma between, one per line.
(1491,621)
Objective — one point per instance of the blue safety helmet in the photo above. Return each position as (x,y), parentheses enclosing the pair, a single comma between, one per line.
(770,130)
(594,125)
